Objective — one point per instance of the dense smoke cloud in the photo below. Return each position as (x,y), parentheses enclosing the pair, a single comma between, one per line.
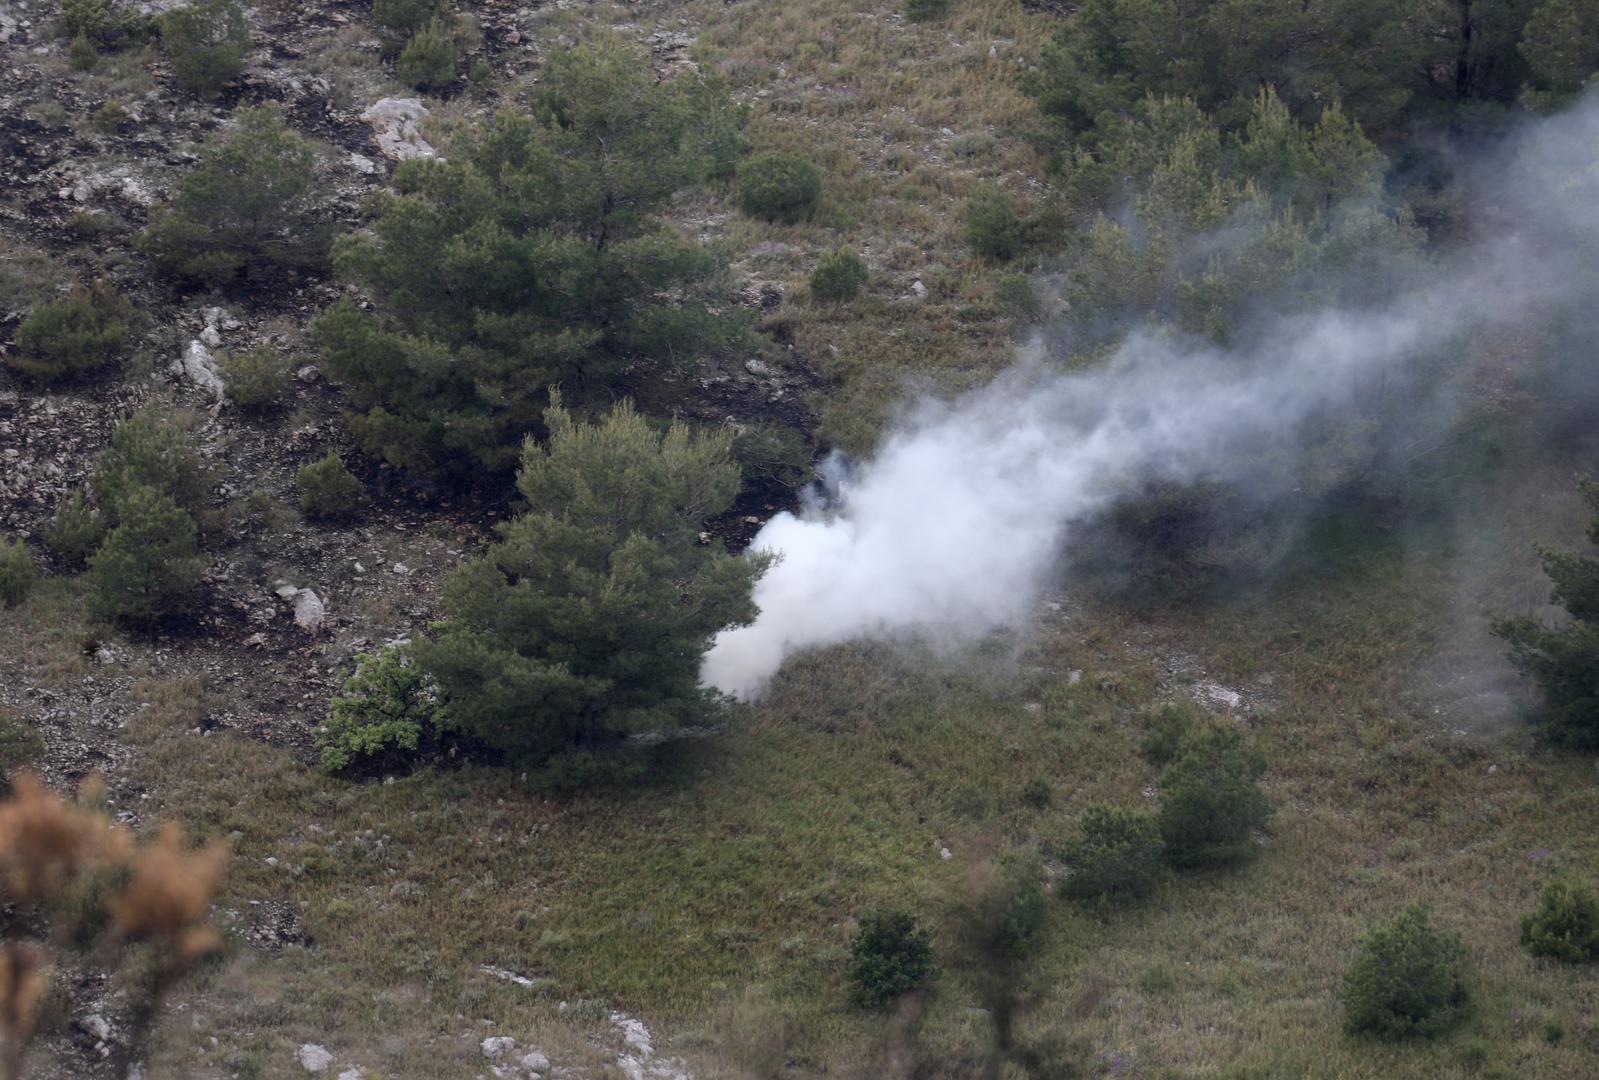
(953,527)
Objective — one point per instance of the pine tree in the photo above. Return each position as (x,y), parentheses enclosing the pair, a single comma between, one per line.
(148,565)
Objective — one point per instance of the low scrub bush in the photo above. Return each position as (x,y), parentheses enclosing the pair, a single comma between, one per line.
(428,60)
(103,23)
(993,228)
(255,379)
(399,19)
(1118,857)
(382,713)
(1210,799)
(838,276)
(1166,728)
(75,531)
(328,491)
(81,54)
(771,457)
(1565,924)
(778,186)
(148,567)
(206,42)
(252,206)
(890,956)
(152,450)
(926,10)
(17,572)
(76,336)
(1408,979)
(1019,299)
(20,746)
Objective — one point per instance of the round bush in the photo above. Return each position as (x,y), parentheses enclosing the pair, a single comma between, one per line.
(328,491)
(890,956)
(1409,979)
(1565,924)
(1117,859)
(1210,800)
(992,228)
(778,186)
(75,336)
(428,61)
(254,379)
(838,276)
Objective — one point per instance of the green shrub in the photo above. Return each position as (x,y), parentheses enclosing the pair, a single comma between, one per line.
(533,256)
(102,22)
(402,18)
(17,572)
(778,186)
(890,956)
(1565,661)
(587,623)
(154,449)
(252,205)
(75,531)
(770,456)
(1166,728)
(1210,800)
(1038,793)
(206,42)
(328,491)
(926,10)
(1408,979)
(254,379)
(383,711)
(82,54)
(993,229)
(20,746)
(428,61)
(75,336)
(1117,858)
(1018,299)
(148,566)
(838,276)
(481,73)
(1565,924)
(110,117)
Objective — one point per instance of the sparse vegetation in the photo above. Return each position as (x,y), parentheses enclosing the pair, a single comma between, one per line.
(993,228)
(328,490)
(77,336)
(256,378)
(205,41)
(75,531)
(17,572)
(429,59)
(1409,979)
(778,186)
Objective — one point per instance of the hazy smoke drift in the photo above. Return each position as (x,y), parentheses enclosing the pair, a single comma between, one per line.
(951,530)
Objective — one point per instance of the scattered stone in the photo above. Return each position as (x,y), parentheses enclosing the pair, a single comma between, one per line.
(533,1061)
(919,289)
(211,337)
(200,367)
(309,611)
(308,374)
(96,1025)
(1217,696)
(394,128)
(354,1072)
(758,368)
(497,1046)
(313,1058)
(365,165)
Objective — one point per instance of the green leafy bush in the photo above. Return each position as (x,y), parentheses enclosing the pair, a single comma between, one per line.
(148,567)
(778,186)
(772,457)
(110,117)
(1565,661)
(75,531)
(588,621)
(402,18)
(255,379)
(17,572)
(383,711)
(1117,858)
(102,22)
(993,228)
(1018,299)
(1166,728)
(532,257)
(1565,924)
(152,450)
(1038,793)
(1408,979)
(428,60)
(252,206)
(206,42)
(328,491)
(926,10)
(889,957)
(1210,799)
(72,337)
(839,275)
(82,54)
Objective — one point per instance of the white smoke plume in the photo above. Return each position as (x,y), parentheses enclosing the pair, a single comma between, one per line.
(952,528)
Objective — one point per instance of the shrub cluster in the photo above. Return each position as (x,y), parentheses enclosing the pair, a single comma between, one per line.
(1210,799)
(328,491)
(255,379)
(206,42)
(993,228)
(926,10)
(17,572)
(1565,924)
(72,337)
(778,186)
(103,23)
(251,206)
(1408,979)
(75,531)
(838,276)
(428,60)
(1118,857)
(382,713)
(772,457)
(890,956)
(399,19)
